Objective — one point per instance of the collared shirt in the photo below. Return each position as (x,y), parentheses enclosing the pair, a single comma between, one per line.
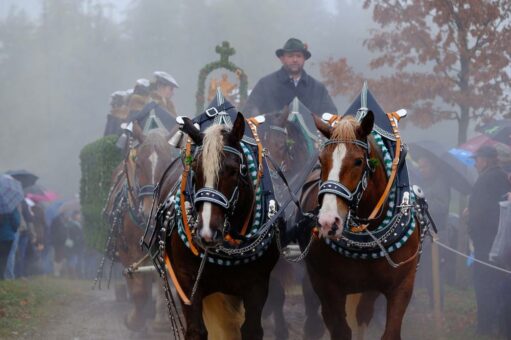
(277,90)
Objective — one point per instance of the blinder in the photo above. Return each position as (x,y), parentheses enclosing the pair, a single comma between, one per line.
(214,196)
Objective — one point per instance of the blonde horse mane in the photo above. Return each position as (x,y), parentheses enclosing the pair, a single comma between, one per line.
(212,149)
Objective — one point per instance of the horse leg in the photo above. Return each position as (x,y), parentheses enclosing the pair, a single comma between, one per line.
(313,327)
(397,301)
(253,302)
(195,328)
(333,305)
(139,287)
(365,311)
(275,305)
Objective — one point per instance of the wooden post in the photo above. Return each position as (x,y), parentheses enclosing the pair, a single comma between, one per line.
(437,303)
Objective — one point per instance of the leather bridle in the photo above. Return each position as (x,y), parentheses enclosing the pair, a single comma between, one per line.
(352,198)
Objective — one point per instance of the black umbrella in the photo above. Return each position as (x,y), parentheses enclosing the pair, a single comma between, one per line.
(460,176)
(26,178)
(498,130)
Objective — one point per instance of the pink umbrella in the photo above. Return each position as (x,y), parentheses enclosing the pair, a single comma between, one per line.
(47,196)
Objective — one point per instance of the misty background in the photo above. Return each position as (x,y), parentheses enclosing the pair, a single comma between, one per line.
(61,59)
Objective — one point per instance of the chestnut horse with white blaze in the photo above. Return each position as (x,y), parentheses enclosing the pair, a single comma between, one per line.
(128,208)
(352,180)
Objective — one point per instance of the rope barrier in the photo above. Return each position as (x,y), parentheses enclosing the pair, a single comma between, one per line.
(435,239)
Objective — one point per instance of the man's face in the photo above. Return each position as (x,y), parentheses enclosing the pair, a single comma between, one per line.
(167,91)
(293,62)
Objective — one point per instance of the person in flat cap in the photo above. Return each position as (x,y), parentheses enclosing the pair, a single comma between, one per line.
(159,112)
(140,96)
(276,90)
(118,113)
(163,90)
(482,217)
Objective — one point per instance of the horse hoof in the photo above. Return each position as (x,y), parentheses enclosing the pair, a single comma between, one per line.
(282,333)
(134,324)
(313,330)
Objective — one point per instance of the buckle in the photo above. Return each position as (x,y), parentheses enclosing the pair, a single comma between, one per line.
(211,112)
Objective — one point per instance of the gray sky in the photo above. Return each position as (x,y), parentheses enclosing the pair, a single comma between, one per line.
(352,28)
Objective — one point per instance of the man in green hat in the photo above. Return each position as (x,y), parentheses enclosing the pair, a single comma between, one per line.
(278,89)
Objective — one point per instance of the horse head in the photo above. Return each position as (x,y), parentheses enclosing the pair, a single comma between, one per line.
(145,165)
(345,170)
(222,185)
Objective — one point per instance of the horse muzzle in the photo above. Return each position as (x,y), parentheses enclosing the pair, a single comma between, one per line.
(331,225)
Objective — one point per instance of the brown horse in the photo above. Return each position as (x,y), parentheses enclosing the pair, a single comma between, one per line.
(347,163)
(287,146)
(223,198)
(129,207)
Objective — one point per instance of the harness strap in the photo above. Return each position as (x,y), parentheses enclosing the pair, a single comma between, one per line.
(395,163)
(173,277)
(184,177)
(252,123)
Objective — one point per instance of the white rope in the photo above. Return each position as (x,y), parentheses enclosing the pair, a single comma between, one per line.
(435,239)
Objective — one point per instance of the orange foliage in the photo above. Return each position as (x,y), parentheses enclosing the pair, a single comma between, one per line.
(449,59)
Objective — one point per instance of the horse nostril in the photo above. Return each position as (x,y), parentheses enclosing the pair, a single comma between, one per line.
(337,221)
(217,236)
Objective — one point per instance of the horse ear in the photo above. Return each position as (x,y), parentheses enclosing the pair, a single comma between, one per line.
(324,128)
(191,131)
(238,128)
(138,133)
(283,116)
(366,125)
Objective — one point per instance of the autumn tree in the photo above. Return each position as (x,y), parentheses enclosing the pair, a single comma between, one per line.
(449,59)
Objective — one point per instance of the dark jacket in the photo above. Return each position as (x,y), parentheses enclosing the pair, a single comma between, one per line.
(277,90)
(9,224)
(484,210)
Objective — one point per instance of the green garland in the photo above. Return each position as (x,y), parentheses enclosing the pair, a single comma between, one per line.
(225,51)
(97,162)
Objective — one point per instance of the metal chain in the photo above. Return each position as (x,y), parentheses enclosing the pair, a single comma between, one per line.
(299,257)
(111,235)
(199,274)
(175,319)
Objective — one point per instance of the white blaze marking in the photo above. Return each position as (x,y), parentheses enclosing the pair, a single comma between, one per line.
(330,200)
(154,161)
(206,231)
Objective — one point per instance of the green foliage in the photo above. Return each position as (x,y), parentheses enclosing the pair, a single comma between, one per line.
(98,160)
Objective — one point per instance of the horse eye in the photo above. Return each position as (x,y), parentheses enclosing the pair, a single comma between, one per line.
(358,162)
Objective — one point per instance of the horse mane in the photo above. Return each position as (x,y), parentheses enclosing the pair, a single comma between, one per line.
(345,129)
(212,148)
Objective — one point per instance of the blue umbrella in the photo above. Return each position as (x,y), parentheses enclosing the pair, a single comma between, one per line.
(26,178)
(11,194)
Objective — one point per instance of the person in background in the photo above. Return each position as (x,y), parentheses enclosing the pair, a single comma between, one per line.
(276,90)
(9,224)
(482,217)
(27,238)
(74,245)
(118,113)
(160,111)
(140,96)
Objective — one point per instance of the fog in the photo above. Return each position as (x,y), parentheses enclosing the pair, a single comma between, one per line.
(60,60)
